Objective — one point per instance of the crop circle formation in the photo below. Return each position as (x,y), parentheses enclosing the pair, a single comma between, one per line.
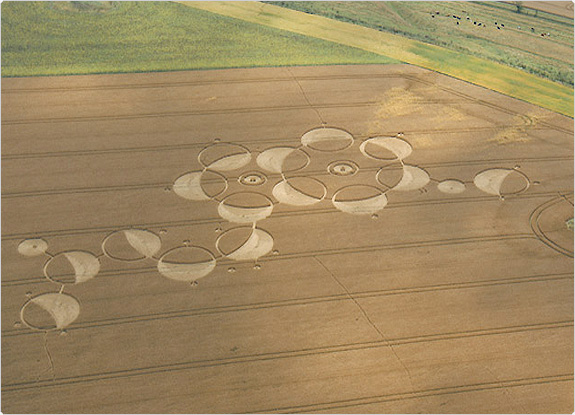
(358,178)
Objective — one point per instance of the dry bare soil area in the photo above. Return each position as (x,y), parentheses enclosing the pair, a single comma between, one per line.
(363,239)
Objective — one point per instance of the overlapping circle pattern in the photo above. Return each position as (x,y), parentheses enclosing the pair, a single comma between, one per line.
(287,170)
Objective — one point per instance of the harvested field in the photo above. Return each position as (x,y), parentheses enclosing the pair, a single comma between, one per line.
(344,239)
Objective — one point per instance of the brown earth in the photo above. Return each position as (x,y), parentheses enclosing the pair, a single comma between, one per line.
(438,303)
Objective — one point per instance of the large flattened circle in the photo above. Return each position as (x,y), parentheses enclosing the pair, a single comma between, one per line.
(414,178)
(223,157)
(245,207)
(299,191)
(244,243)
(390,175)
(359,199)
(282,159)
(50,311)
(200,185)
(549,222)
(501,181)
(131,245)
(186,263)
(385,148)
(327,139)
(72,267)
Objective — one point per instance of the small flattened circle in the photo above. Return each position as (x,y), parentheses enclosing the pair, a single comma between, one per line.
(32,247)
(254,178)
(342,168)
(451,186)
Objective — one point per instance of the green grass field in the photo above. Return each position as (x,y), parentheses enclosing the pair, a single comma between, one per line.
(58,38)
(515,44)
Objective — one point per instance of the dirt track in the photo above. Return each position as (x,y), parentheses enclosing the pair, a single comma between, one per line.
(438,302)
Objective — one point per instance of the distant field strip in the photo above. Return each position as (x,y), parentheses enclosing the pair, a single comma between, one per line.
(497,77)
(71,38)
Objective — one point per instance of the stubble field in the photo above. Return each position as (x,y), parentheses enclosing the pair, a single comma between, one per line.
(364,238)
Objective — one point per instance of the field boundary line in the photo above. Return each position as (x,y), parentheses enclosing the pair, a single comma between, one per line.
(211,112)
(300,212)
(412,77)
(110,273)
(420,394)
(294,302)
(495,76)
(316,173)
(175,147)
(536,227)
(177,84)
